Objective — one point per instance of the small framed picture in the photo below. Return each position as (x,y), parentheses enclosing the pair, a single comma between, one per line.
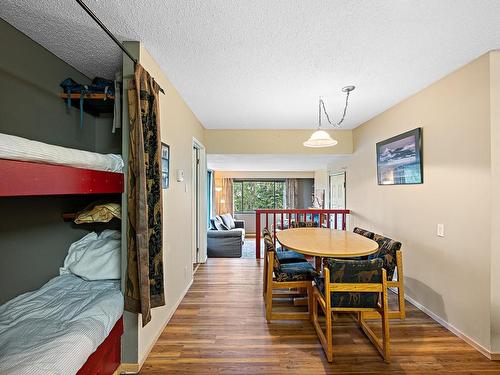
(399,159)
(165,165)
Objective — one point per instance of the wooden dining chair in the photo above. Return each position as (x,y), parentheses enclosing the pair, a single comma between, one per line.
(356,286)
(284,256)
(297,276)
(364,232)
(390,253)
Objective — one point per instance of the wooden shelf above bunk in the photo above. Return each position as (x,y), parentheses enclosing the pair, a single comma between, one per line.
(21,178)
(94,104)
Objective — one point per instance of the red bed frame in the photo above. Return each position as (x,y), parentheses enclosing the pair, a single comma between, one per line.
(22,178)
(107,357)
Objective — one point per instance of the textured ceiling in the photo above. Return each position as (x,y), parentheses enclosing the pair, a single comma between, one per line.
(263,63)
(261,162)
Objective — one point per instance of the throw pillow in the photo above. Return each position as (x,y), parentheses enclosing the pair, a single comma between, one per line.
(228,221)
(219,223)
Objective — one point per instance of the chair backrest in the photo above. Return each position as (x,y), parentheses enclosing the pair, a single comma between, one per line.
(266,232)
(387,248)
(364,232)
(343,271)
(269,245)
(304,224)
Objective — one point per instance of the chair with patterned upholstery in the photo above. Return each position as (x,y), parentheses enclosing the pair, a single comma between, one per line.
(286,276)
(304,224)
(389,251)
(357,286)
(364,232)
(284,256)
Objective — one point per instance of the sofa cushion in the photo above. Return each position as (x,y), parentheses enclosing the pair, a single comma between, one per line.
(212,225)
(228,221)
(295,272)
(219,223)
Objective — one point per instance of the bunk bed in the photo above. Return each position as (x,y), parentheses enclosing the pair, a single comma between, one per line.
(70,325)
(32,168)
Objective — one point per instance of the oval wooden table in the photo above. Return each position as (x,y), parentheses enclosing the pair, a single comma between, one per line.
(325,242)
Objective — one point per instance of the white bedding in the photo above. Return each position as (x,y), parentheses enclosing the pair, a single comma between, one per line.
(95,256)
(17,148)
(54,329)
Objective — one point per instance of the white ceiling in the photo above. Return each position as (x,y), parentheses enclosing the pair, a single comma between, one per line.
(263,63)
(274,163)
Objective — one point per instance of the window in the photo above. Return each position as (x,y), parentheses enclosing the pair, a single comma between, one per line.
(251,195)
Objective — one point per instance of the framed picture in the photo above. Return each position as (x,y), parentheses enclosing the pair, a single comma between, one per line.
(165,165)
(399,159)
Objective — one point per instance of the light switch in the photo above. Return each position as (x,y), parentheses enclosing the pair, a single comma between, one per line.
(440,230)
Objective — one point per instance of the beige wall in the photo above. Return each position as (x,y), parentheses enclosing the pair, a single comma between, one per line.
(178,127)
(495,199)
(321,182)
(449,276)
(272,142)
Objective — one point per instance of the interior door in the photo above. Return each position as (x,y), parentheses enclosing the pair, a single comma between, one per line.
(196,196)
(337,191)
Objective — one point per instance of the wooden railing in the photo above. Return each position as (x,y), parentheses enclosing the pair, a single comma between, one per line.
(275,220)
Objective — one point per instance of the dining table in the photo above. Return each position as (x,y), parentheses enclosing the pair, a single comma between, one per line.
(326,242)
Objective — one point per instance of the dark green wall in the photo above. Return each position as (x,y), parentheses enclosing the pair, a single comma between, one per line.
(33,238)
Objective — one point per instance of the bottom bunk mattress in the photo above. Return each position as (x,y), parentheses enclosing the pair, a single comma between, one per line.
(54,329)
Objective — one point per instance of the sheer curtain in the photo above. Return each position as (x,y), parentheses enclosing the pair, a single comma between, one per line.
(291,191)
(224,196)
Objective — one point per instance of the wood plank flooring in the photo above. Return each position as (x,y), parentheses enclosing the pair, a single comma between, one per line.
(220,328)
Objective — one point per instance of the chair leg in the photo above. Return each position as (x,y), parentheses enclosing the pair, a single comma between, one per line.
(264,288)
(325,342)
(385,328)
(401,287)
(269,297)
(329,340)
(310,301)
(269,300)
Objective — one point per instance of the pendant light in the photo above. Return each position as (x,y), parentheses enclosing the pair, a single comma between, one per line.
(321,138)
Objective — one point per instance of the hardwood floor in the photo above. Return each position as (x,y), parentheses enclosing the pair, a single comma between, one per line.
(220,328)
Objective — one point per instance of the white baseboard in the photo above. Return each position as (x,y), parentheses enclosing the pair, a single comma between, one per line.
(134,368)
(454,330)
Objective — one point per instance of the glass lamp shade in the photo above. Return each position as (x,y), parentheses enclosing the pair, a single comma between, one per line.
(320,138)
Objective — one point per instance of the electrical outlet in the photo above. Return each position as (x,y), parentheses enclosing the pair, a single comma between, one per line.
(440,230)
(185,273)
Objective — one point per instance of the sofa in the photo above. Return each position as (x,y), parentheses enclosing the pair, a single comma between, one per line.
(225,237)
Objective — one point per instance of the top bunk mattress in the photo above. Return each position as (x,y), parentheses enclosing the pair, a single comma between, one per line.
(54,329)
(18,148)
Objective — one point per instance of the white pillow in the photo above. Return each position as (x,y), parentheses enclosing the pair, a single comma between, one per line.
(95,257)
(228,221)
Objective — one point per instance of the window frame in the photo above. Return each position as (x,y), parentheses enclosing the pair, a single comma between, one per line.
(250,180)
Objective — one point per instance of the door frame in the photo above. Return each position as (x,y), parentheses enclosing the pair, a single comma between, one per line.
(199,256)
(337,173)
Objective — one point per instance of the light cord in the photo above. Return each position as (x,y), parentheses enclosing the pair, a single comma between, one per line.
(322,106)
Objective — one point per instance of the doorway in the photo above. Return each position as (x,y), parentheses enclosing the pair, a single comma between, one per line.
(199,203)
(337,191)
